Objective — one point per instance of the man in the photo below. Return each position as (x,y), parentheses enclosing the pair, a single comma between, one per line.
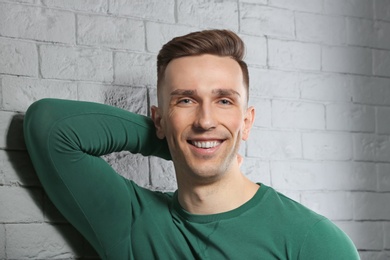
(201,118)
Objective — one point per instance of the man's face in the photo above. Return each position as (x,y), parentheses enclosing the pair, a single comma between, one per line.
(203,115)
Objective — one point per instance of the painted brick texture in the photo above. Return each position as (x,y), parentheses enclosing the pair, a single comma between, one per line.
(320,82)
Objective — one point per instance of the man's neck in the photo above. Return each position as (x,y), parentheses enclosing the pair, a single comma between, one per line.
(220,196)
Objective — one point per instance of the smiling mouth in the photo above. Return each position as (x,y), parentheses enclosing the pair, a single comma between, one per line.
(205,144)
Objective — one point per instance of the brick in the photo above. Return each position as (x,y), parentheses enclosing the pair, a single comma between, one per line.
(387,236)
(262,2)
(374,255)
(11,131)
(42,241)
(354,60)
(37,23)
(256,50)
(360,32)
(382,34)
(76,63)
(96,6)
(18,58)
(20,205)
(333,205)
(327,146)
(273,83)
(263,111)
(152,95)
(157,34)
(382,10)
(325,87)
(156,10)
(382,120)
(383,170)
(256,170)
(162,174)
(371,147)
(28,1)
(16,169)
(264,20)
(2,173)
(363,176)
(130,99)
(274,145)
(294,55)
(312,6)
(370,206)
(131,166)
(320,28)
(371,90)
(111,32)
(298,115)
(214,13)
(19,93)
(135,69)
(2,242)
(381,63)
(314,176)
(365,235)
(357,8)
(1,94)
(350,117)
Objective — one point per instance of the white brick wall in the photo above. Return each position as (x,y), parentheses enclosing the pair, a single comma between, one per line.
(320,81)
(18,57)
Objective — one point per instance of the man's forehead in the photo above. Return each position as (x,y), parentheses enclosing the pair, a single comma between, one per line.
(187,63)
(225,73)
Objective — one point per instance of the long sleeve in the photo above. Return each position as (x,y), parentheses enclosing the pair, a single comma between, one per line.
(65,140)
(98,129)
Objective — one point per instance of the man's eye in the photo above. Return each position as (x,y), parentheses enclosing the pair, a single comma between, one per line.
(225,102)
(185,101)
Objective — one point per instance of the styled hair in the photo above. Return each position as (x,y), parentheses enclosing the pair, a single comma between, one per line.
(222,43)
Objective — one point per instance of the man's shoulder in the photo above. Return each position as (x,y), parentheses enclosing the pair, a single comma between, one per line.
(295,219)
(288,209)
(315,236)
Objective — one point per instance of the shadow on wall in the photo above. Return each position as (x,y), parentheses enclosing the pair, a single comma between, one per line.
(37,229)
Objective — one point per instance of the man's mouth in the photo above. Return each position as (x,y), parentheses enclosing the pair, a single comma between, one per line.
(205,144)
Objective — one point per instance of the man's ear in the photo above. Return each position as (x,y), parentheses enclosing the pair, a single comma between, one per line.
(248,122)
(157,119)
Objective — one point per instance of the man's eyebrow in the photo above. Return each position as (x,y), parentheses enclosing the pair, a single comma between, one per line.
(225,92)
(191,92)
(183,92)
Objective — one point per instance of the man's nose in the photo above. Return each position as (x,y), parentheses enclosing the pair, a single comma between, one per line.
(205,118)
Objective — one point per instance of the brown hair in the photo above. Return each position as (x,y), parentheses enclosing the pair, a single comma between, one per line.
(222,43)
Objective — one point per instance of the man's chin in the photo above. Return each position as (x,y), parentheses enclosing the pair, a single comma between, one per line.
(207,172)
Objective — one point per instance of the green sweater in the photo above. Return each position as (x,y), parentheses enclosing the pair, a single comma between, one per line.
(121,220)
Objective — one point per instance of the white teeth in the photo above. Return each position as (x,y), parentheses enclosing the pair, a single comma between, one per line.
(206,145)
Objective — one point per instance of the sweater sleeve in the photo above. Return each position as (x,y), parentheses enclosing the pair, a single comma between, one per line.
(326,241)
(65,140)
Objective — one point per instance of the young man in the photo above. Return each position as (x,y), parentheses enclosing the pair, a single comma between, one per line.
(201,118)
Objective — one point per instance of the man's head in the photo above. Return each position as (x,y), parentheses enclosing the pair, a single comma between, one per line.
(221,43)
(202,109)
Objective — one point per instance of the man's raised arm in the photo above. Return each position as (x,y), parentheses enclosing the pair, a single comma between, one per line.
(65,140)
